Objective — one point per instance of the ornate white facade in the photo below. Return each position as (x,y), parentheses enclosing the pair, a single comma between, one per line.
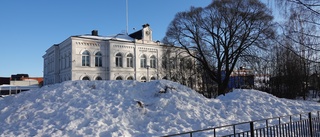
(94,57)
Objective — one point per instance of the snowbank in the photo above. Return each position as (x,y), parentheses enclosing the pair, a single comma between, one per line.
(131,108)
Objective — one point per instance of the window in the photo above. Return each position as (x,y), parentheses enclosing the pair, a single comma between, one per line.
(164,62)
(65,60)
(172,62)
(143,61)
(130,60)
(143,79)
(118,60)
(130,78)
(86,78)
(69,59)
(153,62)
(98,59)
(86,58)
(185,63)
(119,78)
(98,78)
(153,78)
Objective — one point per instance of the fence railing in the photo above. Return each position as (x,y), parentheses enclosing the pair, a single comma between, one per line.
(297,125)
(8,90)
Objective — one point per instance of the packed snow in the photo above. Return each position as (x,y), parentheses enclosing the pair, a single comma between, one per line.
(132,108)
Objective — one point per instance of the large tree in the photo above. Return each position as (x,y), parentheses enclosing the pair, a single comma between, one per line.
(218,35)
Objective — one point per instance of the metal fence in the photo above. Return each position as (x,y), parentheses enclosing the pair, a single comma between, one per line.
(298,125)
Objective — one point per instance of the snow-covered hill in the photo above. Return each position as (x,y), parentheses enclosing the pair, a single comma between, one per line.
(131,108)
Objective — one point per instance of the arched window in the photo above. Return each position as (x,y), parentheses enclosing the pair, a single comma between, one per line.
(152,78)
(143,79)
(130,78)
(98,59)
(119,78)
(190,82)
(98,78)
(164,62)
(143,61)
(86,58)
(173,63)
(153,62)
(118,60)
(65,60)
(86,78)
(130,60)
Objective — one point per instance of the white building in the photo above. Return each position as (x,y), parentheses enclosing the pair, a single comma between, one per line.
(119,57)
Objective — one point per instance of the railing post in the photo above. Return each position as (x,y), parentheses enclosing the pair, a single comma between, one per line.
(251,129)
(291,124)
(280,126)
(267,126)
(310,124)
(234,130)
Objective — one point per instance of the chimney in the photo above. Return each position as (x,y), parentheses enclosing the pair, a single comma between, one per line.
(145,25)
(94,32)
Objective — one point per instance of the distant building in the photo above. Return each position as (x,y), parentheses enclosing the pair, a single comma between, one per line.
(19,76)
(4,80)
(241,78)
(117,57)
(21,80)
(18,83)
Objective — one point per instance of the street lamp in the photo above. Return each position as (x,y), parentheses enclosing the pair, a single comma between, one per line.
(148,72)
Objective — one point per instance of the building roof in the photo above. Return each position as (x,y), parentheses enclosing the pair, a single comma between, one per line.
(120,37)
(136,35)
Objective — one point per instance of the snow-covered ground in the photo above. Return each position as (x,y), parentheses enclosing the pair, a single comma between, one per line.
(132,108)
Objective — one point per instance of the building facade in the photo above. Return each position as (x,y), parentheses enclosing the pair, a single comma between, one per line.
(118,57)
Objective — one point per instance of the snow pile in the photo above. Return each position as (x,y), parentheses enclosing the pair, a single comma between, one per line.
(131,108)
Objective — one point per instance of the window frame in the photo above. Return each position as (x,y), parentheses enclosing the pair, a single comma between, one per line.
(130,60)
(118,60)
(153,61)
(143,79)
(119,78)
(86,78)
(98,59)
(143,61)
(85,56)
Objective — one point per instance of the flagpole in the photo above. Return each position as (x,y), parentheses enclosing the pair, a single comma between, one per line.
(127,17)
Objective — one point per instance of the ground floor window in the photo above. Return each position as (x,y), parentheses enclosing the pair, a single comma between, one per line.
(86,78)
(130,78)
(119,78)
(152,78)
(143,79)
(98,78)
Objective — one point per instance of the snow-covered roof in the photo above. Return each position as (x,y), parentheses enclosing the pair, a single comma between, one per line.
(120,37)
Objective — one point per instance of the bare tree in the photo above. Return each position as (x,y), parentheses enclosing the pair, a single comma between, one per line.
(300,30)
(311,5)
(288,77)
(178,66)
(302,17)
(220,34)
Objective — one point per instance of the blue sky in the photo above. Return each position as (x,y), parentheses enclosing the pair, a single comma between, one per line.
(29,28)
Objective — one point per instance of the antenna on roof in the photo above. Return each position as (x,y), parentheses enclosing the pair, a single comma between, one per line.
(127,17)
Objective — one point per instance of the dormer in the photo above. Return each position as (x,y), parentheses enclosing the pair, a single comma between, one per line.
(144,35)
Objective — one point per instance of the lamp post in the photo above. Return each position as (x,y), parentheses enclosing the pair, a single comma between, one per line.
(148,73)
